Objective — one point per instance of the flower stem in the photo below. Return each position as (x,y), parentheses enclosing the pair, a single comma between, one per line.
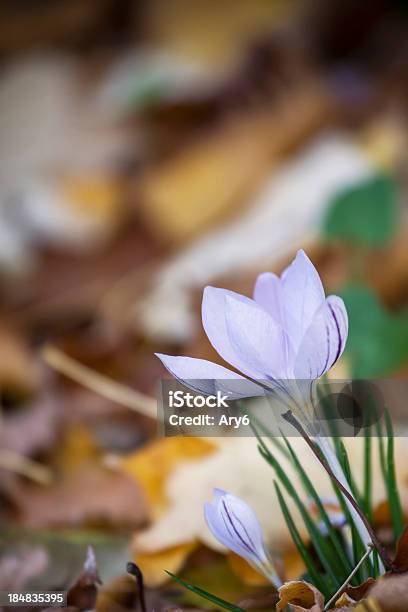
(290,418)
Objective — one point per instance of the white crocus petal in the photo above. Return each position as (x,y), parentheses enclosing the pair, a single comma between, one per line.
(268,294)
(202,376)
(214,322)
(303,294)
(257,339)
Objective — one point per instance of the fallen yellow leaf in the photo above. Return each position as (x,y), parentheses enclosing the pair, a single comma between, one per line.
(301,596)
(171,559)
(152,465)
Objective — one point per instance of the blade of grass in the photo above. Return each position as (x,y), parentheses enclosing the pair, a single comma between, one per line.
(358,550)
(323,551)
(365,529)
(345,464)
(333,560)
(311,492)
(328,556)
(205,594)
(394,500)
(368,502)
(304,553)
(381,445)
(356,543)
(376,564)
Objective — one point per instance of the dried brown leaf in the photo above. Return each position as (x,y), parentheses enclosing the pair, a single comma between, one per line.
(389,594)
(345,601)
(301,596)
(30,430)
(91,496)
(401,556)
(360,591)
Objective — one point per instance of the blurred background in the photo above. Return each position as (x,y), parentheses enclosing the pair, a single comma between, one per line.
(147,149)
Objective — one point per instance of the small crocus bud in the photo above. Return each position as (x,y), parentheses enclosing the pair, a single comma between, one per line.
(236,526)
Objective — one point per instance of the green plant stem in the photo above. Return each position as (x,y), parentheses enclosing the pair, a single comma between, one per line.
(307,559)
(311,491)
(367,475)
(394,500)
(321,545)
(290,418)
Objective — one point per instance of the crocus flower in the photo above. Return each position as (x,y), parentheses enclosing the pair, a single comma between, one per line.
(235,525)
(289,330)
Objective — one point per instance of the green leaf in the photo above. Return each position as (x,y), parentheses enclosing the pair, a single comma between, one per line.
(315,576)
(368,475)
(381,451)
(345,464)
(356,543)
(377,342)
(365,214)
(205,594)
(323,550)
(376,564)
(394,500)
(311,491)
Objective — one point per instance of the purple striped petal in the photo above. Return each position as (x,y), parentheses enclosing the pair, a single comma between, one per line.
(324,341)
(235,525)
